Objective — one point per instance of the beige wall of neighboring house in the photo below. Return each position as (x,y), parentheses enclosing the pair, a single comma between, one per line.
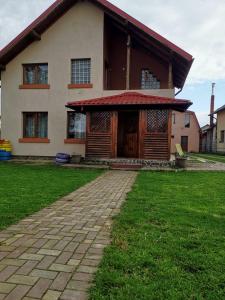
(220,129)
(179,130)
(77,34)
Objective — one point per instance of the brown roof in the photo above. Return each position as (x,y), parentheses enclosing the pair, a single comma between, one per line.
(182,60)
(222,108)
(131,99)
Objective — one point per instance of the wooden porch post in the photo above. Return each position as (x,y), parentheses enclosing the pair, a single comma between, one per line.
(142,126)
(128,62)
(170,77)
(114,133)
(169,133)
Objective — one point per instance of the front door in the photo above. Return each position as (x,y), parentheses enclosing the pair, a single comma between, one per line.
(184,143)
(127,140)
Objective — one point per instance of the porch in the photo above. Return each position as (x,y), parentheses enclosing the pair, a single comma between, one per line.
(130,125)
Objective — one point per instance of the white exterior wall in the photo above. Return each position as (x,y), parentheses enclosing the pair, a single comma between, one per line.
(77,34)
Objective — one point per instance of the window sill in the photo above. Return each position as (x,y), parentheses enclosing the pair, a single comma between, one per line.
(34,140)
(80,86)
(75,141)
(34,86)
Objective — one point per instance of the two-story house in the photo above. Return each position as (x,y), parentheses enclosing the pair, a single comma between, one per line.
(185,131)
(86,78)
(220,129)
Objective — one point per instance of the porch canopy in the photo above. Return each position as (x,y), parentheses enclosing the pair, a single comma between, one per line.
(129,125)
(129,100)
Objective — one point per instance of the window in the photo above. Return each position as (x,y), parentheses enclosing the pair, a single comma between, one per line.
(35,124)
(81,71)
(157,120)
(100,121)
(174,118)
(148,80)
(187,120)
(76,126)
(35,74)
(222,136)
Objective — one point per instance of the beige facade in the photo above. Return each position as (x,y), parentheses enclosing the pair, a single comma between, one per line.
(220,129)
(179,130)
(77,34)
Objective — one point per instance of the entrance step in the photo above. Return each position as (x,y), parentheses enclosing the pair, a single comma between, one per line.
(124,166)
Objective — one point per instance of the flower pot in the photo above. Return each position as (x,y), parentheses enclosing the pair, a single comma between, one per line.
(76,159)
(181,162)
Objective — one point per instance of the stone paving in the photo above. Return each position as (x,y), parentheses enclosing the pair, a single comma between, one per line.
(54,253)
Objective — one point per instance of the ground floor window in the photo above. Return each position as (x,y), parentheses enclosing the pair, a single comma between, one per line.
(222,136)
(35,124)
(76,128)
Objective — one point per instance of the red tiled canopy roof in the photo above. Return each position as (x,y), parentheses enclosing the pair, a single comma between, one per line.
(182,60)
(130,99)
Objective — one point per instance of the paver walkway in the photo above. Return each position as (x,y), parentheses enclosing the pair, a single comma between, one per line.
(54,253)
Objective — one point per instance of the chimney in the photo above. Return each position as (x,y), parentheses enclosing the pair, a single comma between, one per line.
(212,105)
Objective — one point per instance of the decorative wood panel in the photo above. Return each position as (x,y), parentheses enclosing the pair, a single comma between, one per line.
(154,134)
(101,132)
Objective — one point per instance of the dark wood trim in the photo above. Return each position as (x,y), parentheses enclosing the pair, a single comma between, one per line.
(75,141)
(80,86)
(34,87)
(2,67)
(35,35)
(35,140)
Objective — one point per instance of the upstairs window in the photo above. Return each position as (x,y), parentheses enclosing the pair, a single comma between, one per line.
(81,71)
(187,120)
(148,80)
(76,126)
(35,74)
(35,124)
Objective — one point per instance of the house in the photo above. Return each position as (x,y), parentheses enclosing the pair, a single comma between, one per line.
(220,129)
(86,78)
(185,131)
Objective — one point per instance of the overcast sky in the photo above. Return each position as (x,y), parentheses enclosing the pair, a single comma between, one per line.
(197,26)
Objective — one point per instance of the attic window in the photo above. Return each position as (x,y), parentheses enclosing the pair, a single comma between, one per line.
(35,74)
(187,120)
(148,80)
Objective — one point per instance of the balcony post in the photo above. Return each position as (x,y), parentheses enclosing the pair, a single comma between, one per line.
(128,62)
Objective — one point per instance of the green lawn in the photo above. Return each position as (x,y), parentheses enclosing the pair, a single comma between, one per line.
(25,189)
(168,241)
(213,157)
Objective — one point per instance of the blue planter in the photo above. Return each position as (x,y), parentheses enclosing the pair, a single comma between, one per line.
(62,158)
(4,155)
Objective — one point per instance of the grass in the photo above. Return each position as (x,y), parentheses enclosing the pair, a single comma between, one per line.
(213,157)
(25,189)
(168,241)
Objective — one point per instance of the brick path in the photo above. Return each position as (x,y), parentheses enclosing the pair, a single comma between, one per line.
(54,253)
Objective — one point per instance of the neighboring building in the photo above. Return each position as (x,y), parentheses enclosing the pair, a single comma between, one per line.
(220,129)
(92,50)
(185,131)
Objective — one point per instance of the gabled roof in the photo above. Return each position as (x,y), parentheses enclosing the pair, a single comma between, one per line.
(181,60)
(219,109)
(131,99)
(195,117)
